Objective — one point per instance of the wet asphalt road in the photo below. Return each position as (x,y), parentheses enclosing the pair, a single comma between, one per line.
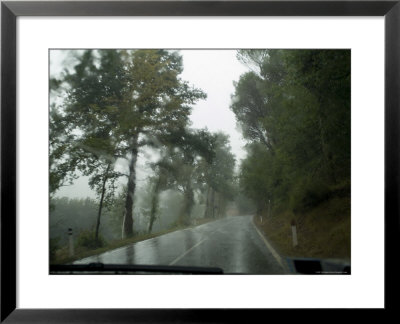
(232,244)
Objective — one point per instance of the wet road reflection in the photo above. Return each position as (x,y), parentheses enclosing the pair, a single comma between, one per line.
(231,243)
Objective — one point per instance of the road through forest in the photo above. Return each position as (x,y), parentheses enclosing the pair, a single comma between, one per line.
(232,244)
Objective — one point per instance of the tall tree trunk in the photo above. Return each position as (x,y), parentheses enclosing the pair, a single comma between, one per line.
(154,204)
(103,190)
(213,203)
(188,200)
(221,205)
(128,215)
(207,209)
(217,204)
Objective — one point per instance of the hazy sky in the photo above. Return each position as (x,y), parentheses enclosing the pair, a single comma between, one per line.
(213,71)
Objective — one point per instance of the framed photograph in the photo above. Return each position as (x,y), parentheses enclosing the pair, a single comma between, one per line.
(251,144)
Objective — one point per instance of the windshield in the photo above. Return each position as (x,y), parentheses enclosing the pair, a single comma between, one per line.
(199,161)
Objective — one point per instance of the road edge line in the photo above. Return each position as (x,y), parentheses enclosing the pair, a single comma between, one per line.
(275,254)
(186,252)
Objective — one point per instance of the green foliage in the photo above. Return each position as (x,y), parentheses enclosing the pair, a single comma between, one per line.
(294,109)
(181,167)
(305,196)
(117,102)
(87,239)
(78,214)
(219,172)
(54,245)
(61,164)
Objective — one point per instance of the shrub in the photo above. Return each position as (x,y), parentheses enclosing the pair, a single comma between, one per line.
(308,195)
(54,245)
(86,239)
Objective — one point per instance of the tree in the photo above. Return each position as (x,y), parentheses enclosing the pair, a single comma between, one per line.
(61,165)
(326,75)
(179,167)
(250,109)
(158,182)
(294,109)
(122,100)
(161,102)
(91,92)
(219,177)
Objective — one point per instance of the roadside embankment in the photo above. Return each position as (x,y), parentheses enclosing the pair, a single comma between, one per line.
(322,232)
(62,254)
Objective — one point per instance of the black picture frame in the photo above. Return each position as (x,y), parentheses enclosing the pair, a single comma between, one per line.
(10,10)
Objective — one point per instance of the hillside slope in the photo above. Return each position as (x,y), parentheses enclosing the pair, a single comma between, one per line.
(323,232)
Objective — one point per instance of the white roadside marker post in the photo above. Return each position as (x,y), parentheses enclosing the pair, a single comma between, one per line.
(294,233)
(71,242)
